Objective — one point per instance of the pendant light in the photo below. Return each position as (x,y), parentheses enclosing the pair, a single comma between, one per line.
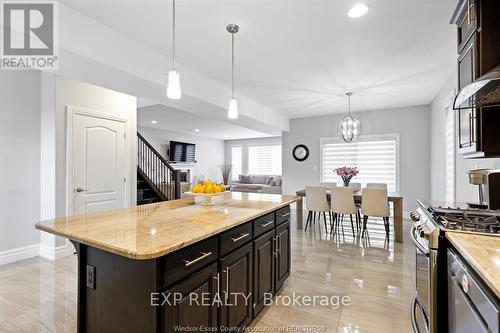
(174,79)
(349,128)
(232,111)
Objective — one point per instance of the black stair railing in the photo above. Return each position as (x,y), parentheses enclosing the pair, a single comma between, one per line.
(157,171)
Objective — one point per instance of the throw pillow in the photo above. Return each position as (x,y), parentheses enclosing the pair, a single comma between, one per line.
(244,179)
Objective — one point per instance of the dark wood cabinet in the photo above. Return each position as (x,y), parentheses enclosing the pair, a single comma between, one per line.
(264,259)
(478,32)
(283,257)
(236,280)
(183,311)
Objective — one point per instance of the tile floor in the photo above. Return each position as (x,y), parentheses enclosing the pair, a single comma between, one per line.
(40,296)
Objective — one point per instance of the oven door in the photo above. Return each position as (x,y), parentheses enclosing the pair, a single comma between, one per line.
(421,305)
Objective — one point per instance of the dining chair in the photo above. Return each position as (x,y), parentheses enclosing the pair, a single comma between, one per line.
(316,202)
(376,185)
(343,203)
(375,203)
(355,186)
(328,184)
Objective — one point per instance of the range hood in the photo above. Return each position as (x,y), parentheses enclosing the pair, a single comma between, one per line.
(484,92)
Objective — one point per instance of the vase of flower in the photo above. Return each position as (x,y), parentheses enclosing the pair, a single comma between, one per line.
(346,173)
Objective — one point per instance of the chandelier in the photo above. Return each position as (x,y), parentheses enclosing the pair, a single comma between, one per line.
(349,128)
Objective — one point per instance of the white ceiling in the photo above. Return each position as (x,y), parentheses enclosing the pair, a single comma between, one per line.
(184,122)
(299,57)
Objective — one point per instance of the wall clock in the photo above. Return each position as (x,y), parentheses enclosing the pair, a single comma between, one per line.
(300,153)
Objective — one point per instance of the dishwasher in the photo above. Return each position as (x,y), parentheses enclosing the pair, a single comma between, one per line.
(472,308)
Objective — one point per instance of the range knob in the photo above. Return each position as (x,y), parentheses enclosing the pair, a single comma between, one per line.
(414,216)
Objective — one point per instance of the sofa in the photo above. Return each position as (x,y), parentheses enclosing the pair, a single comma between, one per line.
(257,184)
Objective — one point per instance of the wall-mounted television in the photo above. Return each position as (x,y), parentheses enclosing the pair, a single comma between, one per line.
(182,152)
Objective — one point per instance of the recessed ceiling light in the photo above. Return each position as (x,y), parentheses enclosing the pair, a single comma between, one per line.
(196,130)
(154,122)
(358,10)
(226,136)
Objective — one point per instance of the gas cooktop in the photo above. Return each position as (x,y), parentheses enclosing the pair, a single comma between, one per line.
(471,220)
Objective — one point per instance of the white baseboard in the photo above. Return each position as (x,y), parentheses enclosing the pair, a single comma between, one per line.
(53,252)
(19,253)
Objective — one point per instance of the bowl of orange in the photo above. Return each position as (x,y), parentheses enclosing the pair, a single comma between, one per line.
(207,189)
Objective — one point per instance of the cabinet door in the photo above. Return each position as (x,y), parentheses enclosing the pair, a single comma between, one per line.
(188,309)
(467,118)
(283,257)
(236,286)
(467,23)
(264,259)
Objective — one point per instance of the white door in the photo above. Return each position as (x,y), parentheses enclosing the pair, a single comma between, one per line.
(98,154)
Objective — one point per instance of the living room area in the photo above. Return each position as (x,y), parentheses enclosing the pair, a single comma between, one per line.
(204,149)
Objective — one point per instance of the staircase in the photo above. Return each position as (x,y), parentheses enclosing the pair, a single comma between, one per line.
(157,180)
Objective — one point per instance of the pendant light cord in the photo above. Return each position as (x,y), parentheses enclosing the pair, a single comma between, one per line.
(232,65)
(173,34)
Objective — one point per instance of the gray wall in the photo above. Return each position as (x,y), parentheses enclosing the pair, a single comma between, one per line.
(411,123)
(463,190)
(244,143)
(209,152)
(20,158)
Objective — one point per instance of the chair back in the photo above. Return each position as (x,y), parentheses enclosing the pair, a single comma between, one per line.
(376,185)
(328,184)
(374,202)
(343,200)
(356,186)
(316,199)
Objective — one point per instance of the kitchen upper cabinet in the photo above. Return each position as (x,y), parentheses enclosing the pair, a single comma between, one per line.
(236,283)
(186,313)
(264,258)
(283,257)
(478,32)
(467,118)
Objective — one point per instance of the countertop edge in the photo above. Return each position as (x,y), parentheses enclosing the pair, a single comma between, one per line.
(473,262)
(163,252)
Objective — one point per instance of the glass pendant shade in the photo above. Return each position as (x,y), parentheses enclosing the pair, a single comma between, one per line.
(174,85)
(349,129)
(232,111)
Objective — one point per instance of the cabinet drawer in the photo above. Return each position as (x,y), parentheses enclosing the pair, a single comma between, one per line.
(234,238)
(283,215)
(263,224)
(186,261)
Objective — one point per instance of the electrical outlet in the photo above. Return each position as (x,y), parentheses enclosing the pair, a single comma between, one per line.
(90,277)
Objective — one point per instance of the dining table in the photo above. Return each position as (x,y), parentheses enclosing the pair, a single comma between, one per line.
(393,197)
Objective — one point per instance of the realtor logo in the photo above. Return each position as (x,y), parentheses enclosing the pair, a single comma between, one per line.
(29,35)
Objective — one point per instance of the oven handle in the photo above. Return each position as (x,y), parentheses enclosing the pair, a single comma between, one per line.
(471,306)
(417,243)
(414,324)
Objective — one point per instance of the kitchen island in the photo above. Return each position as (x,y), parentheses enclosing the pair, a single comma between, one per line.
(178,265)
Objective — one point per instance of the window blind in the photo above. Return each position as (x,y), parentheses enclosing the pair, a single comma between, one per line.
(450,155)
(375,158)
(236,156)
(264,160)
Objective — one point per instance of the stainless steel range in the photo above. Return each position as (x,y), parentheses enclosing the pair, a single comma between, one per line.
(434,308)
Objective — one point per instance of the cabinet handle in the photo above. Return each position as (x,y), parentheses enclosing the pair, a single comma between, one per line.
(470,128)
(227,282)
(278,242)
(469,21)
(194,261)
(240,238)
(266,224)
(275,252)
(285,215)
(217,278)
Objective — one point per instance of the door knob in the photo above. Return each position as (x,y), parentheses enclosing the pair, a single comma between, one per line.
(79,189)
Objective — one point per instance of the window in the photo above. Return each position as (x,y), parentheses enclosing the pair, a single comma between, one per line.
(236,156)
(264,160)
(375,157)
(450,155)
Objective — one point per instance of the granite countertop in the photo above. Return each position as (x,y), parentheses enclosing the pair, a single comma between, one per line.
(151,231)
(482,253)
